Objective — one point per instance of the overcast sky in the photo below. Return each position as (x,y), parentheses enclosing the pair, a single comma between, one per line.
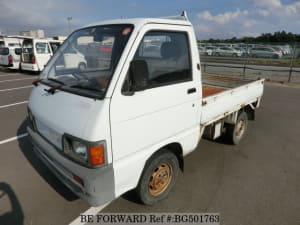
(212,19)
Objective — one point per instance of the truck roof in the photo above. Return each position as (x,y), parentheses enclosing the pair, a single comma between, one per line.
(139,22)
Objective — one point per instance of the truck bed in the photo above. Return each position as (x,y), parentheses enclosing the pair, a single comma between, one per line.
(223,95)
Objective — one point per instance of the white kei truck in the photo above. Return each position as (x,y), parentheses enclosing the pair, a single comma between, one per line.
(125,120)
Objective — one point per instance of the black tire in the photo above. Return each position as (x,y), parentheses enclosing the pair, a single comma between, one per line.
(236,132)
(156,170)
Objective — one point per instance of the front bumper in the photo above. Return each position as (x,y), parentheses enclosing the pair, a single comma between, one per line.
(98,185)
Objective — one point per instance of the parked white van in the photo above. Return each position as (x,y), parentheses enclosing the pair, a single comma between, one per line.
(10,51)
(126,120)
(36,53)
(10,57)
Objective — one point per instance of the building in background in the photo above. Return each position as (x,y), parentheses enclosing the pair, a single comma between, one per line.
(59,38)
(38,33)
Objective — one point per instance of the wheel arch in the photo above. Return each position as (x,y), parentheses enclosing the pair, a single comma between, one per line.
(175,148)
(250,112)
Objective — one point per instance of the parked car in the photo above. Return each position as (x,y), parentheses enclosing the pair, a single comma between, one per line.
(106,131)
(10,51)
(73,58)
(286,49)
(242,50)
(265,52)
(36,53)
(10,57)
(228,51)
(202,51)
(210,50)
(205,51)
(279,49)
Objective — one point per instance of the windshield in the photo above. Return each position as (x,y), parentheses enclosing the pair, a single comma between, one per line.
(86,61)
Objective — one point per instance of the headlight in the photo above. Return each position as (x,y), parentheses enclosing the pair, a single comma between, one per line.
(88,153)
(80,149)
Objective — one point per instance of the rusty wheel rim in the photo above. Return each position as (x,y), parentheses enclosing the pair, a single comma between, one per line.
(240,129)
(160,179)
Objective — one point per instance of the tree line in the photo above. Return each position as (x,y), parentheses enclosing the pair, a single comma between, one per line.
(279,36)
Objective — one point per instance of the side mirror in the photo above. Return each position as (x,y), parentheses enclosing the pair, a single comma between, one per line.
(139,74)
(18,51)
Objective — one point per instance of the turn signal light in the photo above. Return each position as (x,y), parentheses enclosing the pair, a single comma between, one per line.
(97,156)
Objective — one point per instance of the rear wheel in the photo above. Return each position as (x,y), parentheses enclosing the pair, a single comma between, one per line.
(158,178)
(236,132)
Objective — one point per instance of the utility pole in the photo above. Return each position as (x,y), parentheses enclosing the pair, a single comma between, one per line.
(69,24)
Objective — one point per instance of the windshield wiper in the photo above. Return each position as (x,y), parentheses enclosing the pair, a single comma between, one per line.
(52,89)
(35,83)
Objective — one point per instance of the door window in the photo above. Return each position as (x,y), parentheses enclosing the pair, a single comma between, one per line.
(167,56)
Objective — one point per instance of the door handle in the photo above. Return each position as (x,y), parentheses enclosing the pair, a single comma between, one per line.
(191,90)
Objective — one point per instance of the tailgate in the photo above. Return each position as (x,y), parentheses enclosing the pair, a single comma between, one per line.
(226,99)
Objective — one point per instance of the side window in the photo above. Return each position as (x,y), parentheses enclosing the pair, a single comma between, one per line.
(42,48)
(167,57)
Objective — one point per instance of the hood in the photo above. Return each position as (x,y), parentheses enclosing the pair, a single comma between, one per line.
(63,112)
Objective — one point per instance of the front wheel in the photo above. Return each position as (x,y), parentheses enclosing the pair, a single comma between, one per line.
(158,178)
(236,132)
